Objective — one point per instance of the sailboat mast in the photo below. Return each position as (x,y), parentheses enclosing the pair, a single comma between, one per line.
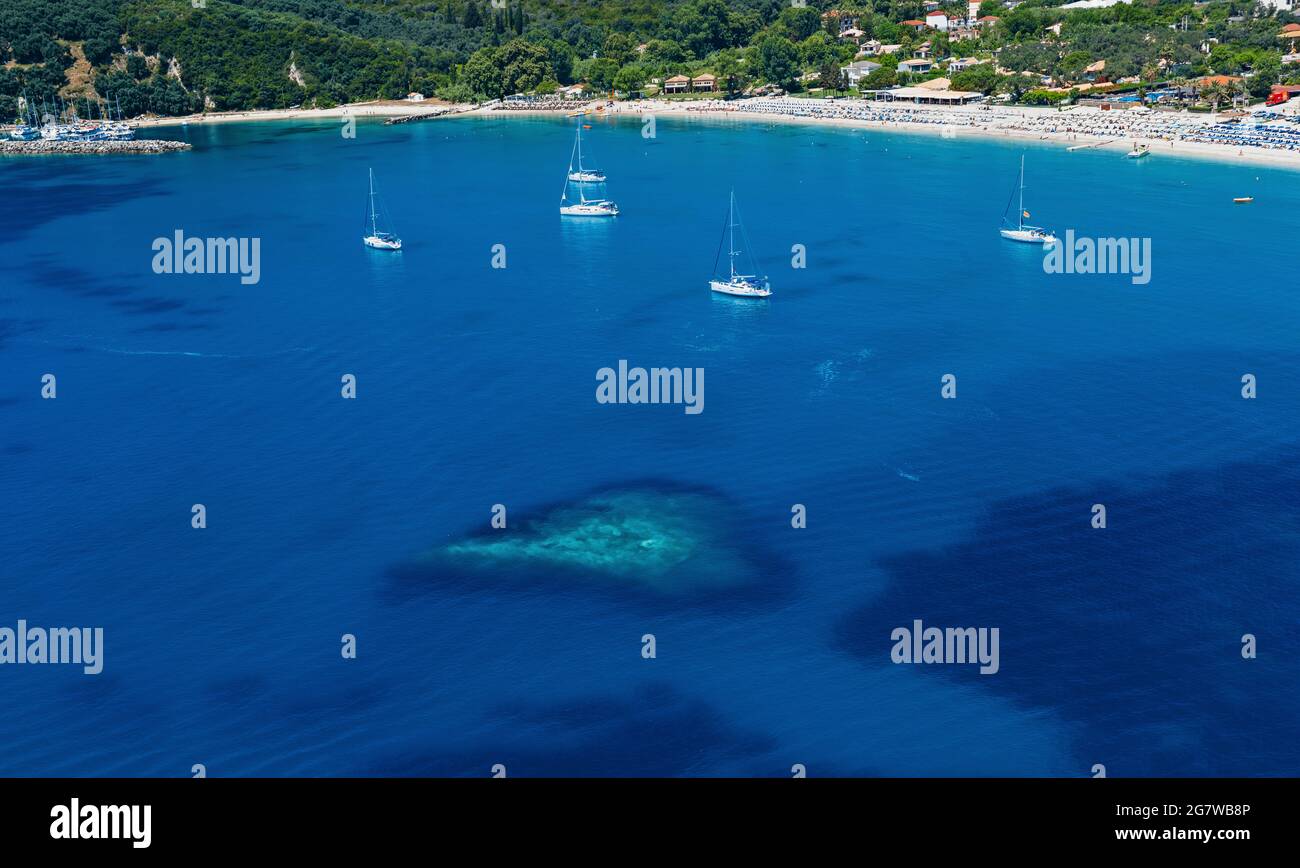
(1020,215)
(731,228)
(373,228)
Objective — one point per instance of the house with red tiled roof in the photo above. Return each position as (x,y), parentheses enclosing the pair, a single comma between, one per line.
(913,23)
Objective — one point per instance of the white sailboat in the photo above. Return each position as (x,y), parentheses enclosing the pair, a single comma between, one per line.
(581,173)
(377,239)
(579,178)
(750,285)
(1022,231)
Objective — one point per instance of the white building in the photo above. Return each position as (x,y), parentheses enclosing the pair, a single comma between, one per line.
(858,70)
(937,20)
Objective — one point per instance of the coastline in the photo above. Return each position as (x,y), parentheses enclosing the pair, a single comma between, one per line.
(1159,147)
(375,109)
(933,124)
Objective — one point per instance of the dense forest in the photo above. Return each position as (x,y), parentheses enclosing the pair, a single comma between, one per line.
(173,57)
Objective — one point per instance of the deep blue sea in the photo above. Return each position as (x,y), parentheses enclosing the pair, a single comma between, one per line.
(476,386)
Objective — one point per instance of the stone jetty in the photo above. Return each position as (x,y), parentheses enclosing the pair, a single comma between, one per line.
(429,115)
(134,146)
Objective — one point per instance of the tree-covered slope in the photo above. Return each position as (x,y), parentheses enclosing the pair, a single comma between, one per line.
(177,56)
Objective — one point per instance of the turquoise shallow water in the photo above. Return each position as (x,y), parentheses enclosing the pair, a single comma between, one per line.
(476,387)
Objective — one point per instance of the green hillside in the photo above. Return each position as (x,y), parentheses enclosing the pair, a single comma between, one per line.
(169,57)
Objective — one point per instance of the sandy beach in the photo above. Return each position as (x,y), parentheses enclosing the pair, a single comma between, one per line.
(378,108)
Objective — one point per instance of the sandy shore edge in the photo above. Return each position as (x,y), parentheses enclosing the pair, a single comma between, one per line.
(1159,147)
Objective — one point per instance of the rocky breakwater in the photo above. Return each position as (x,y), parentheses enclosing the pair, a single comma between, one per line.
(135,146)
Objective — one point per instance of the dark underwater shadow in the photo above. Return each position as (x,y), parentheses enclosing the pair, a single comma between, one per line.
(12,327)
(39,204)
(172,327)
(656,732)
(117,294)
(650,542)
(1132,632)
(50,273)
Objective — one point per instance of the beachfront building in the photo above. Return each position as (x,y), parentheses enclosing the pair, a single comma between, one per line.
(858,70)
(922,95)
(919,66)
(1095,71)
(677,84)
(704,83)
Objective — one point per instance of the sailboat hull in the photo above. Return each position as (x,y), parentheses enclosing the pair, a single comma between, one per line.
(1028,236)
(590,209)
(742,288)
(382,243)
